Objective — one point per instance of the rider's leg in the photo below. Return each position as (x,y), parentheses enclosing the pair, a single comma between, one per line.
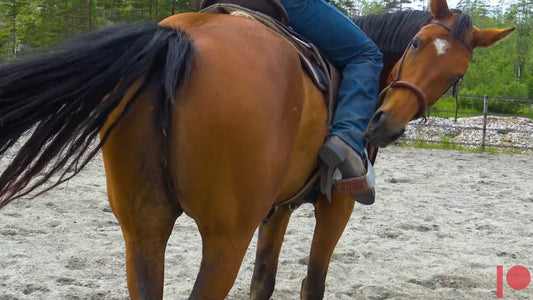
(351,50)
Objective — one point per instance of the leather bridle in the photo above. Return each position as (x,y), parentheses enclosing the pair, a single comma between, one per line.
(397,83)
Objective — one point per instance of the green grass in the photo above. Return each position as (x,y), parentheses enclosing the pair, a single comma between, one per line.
(526,110)
(467,110)
(438,145)
(449,104)
(447,144)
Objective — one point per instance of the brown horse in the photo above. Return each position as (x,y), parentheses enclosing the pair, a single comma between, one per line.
(211,115)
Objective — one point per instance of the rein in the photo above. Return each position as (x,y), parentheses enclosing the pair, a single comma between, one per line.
(421,97)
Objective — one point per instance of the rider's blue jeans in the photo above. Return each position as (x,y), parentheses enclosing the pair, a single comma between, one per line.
(351,51)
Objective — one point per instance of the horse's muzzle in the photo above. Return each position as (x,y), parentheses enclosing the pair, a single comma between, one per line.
(379,133)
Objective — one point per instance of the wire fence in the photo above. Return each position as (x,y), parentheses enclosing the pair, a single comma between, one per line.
(474,129)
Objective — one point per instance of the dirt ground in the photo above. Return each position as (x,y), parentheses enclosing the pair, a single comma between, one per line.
(442,222)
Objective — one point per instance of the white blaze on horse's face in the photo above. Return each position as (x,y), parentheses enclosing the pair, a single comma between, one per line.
(441,46)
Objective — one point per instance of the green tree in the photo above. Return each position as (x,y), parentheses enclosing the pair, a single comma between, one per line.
(12,24)
(521,14)
(395,5)
(493,71)
(369,7)
(348,7)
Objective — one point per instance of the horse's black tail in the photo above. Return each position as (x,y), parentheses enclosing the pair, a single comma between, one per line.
(63,99)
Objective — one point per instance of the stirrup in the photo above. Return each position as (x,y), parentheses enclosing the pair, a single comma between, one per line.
(334,166)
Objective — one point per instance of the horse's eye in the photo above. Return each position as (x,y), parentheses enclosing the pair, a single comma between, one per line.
(416,43)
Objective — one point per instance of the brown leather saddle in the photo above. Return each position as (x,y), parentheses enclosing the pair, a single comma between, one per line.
(271,8)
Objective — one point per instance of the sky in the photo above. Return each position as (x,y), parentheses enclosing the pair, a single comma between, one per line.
(451,3)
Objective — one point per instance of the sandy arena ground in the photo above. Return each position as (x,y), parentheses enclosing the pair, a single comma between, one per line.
(442,222)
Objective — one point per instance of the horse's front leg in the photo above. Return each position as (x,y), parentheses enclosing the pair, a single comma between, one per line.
(331,219)
(266,258)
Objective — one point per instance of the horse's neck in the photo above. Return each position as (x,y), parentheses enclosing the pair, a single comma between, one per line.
(392,32)
(389,60)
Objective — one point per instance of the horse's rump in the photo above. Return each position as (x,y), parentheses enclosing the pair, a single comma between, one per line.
(248,114)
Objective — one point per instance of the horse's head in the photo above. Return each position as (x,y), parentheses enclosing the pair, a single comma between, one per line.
(437,58)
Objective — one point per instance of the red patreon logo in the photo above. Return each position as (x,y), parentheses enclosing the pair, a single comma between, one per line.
(518,278)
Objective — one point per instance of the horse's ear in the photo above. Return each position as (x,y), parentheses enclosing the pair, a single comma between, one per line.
(439,8)
(488,37)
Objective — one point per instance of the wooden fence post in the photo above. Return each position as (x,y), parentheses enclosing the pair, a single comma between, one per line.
(485,113)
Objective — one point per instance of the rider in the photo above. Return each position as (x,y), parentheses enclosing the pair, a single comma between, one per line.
(360,61)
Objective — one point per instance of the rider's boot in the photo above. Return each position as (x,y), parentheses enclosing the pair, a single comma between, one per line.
(354,178)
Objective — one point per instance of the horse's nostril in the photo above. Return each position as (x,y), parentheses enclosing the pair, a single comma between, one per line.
(376,120)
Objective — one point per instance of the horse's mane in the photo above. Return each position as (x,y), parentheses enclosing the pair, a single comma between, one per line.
(392,32)
(462,24)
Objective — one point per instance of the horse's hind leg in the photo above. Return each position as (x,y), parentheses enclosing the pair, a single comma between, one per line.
(139,199)
(227,226)
(222,255)
(331,219)
(267,254)
(146,222)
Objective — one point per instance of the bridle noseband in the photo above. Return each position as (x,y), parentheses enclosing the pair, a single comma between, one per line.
(421,97)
